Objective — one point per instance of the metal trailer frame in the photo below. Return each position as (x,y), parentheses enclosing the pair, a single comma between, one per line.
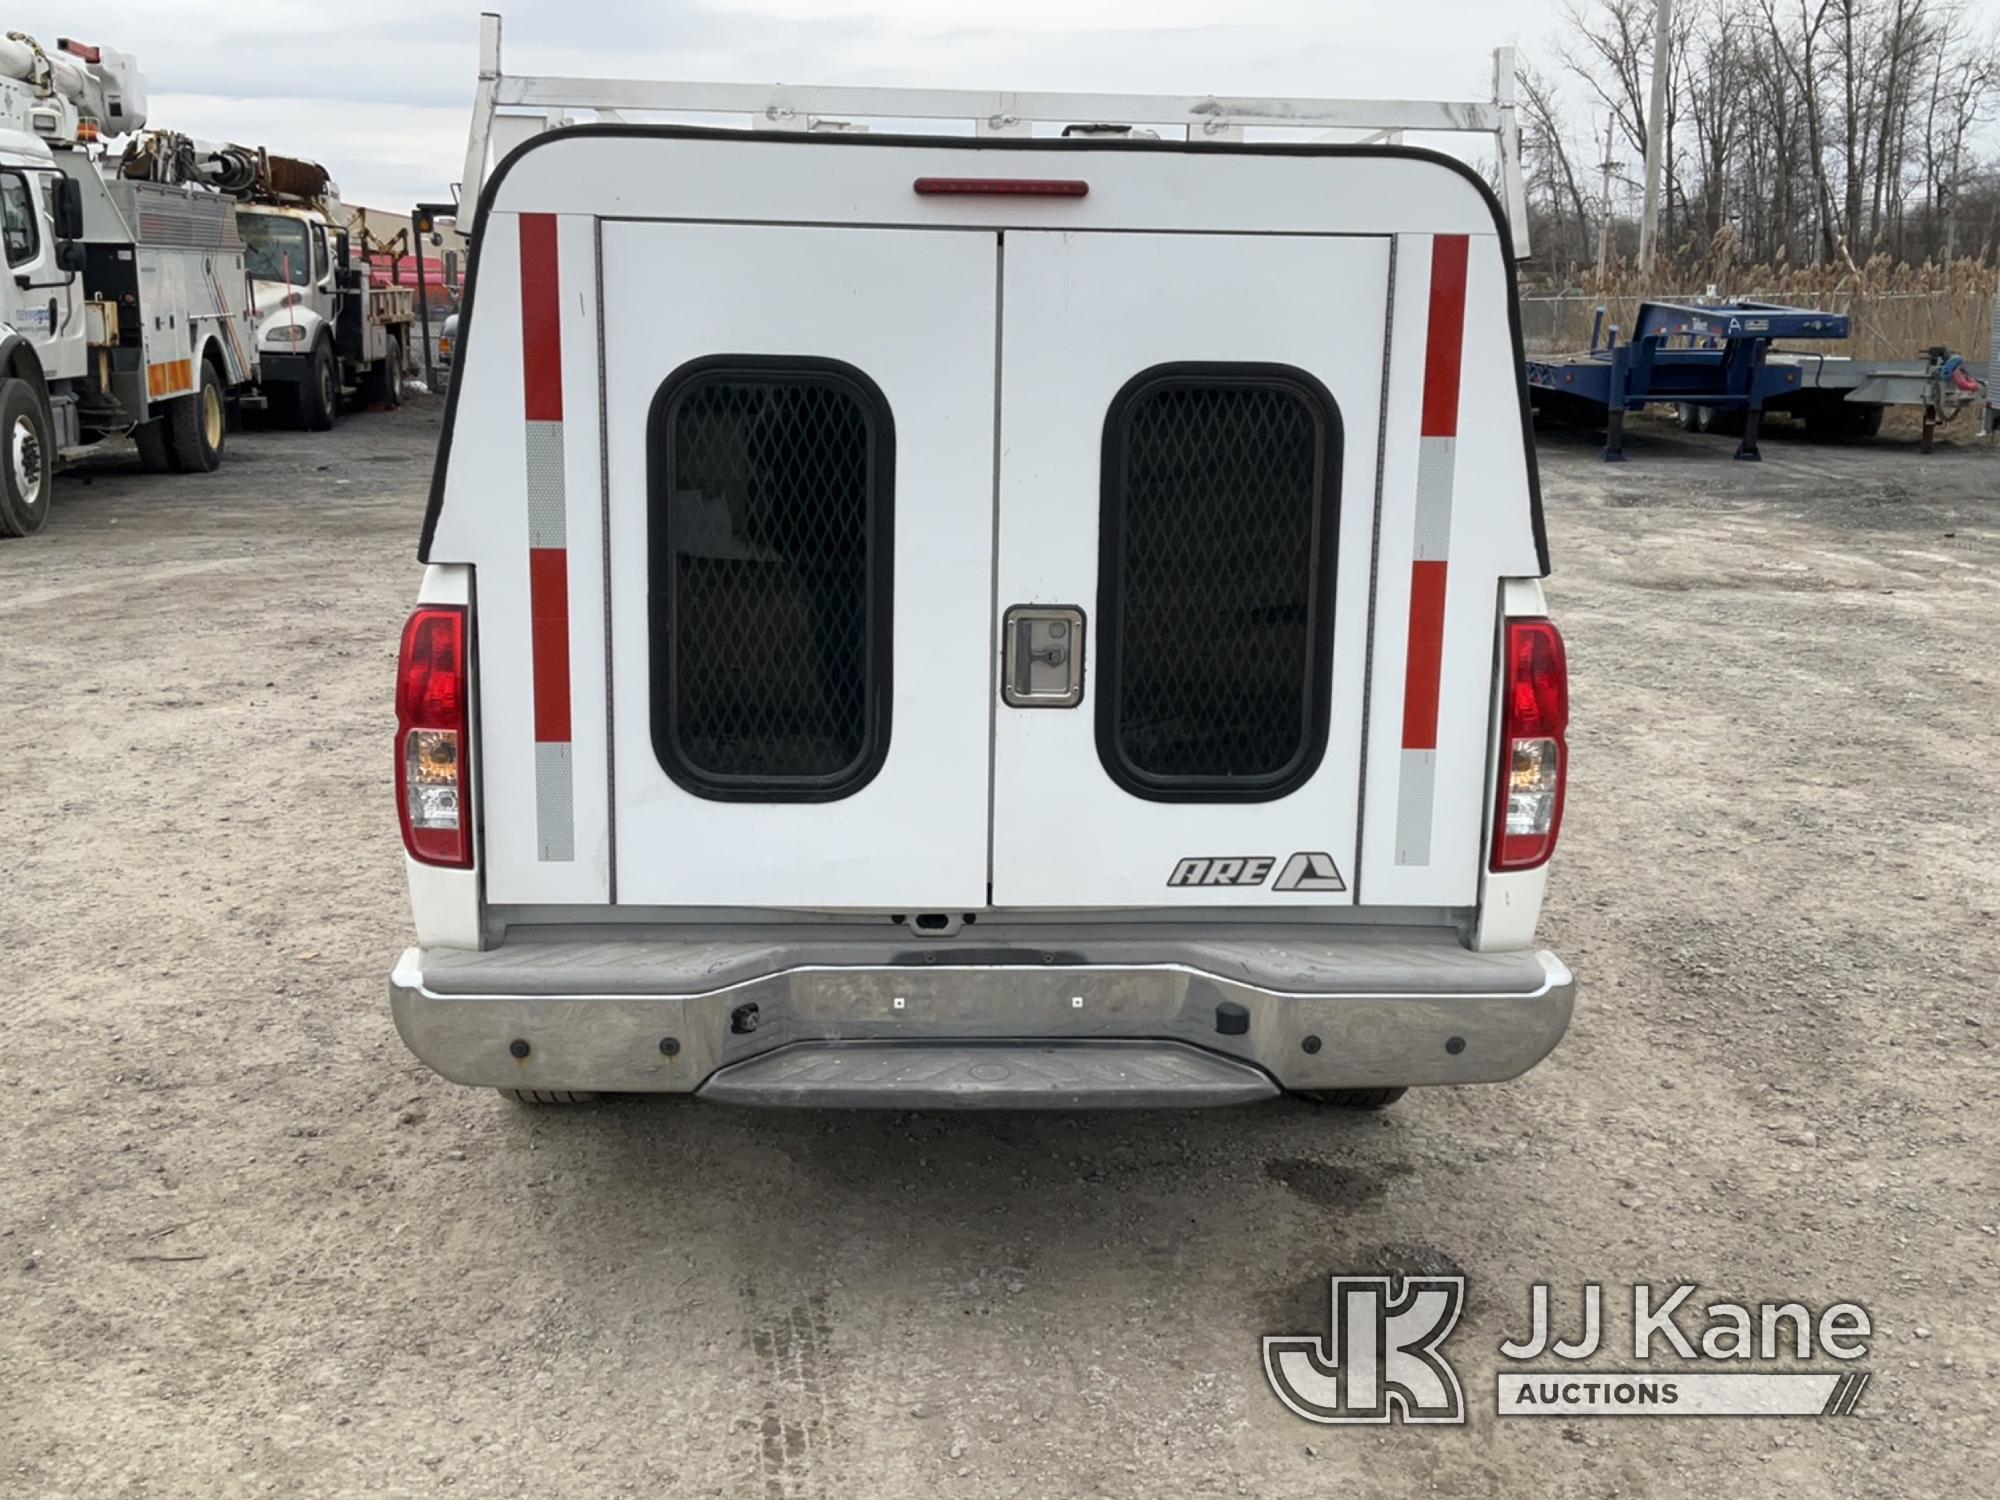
(1702,356)
(1718,357)
(1930,382)
(1220,118)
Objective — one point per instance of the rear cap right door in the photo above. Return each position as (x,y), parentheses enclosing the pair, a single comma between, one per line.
(1189,431)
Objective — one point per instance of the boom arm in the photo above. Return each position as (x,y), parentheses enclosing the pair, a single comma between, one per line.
(53,96)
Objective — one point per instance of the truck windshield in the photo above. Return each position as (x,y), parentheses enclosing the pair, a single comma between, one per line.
(275,248)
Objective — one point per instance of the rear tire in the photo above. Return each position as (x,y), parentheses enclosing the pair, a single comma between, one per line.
(198,425)
(385,381)
(549,1096)
(319,395)
(1354,1098)
(27,459)
(155,454)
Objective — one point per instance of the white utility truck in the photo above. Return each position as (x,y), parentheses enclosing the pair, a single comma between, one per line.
(125,310)
(323,330)
(981,621)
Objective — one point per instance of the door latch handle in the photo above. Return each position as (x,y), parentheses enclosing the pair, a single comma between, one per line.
(1042,656)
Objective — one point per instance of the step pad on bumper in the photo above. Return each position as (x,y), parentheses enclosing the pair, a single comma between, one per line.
(937,1075)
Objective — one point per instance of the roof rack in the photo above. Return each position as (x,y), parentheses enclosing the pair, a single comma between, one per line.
(793,107)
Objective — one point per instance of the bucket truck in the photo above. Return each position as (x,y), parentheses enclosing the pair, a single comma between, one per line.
(324,331)
(124,310)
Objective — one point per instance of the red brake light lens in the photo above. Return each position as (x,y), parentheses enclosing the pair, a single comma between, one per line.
(1534,754)
(433,783)
(1003,187)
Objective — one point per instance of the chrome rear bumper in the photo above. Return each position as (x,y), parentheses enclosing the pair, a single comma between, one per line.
(996,1034)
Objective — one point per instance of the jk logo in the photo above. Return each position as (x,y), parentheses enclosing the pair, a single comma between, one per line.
(1381,1354)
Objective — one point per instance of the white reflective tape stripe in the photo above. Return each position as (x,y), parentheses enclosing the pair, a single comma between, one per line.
(1436,461)
(1416,788)
(555,803)
(555,777)
(547,525)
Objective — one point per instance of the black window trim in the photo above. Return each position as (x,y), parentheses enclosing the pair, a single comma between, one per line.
(881,522)
(1320,599)
(34,250)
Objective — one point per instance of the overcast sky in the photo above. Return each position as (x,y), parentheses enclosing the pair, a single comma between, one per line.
(380,90)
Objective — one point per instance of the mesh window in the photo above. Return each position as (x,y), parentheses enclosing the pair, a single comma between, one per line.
(770,584)
(1216,581)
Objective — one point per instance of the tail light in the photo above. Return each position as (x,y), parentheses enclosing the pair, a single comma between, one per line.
(1534,759)
(433,784)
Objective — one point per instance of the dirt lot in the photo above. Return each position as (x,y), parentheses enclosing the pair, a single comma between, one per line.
(249,1246)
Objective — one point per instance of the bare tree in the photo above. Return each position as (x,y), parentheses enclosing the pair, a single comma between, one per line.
(1551,176)
(1801,130)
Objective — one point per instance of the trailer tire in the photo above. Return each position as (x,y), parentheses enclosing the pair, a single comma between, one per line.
(156,454)
(319,394)
(1832,420)
(550,1096)
(198,425)
(1694,417)
(383,385)
(27,459)
(1353,1098)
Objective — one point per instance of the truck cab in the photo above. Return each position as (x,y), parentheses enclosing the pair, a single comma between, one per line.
(40,338)
(322,330)
(39,296)
(288,256)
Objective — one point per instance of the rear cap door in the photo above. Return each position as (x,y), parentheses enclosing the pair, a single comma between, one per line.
(799,439)
(1189,433)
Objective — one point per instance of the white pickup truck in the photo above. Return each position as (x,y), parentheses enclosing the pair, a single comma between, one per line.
(928,622)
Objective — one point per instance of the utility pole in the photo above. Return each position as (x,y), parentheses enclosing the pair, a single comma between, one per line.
(1656,121)
(1604,200)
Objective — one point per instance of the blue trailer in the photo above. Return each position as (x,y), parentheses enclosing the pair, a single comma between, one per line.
(1715,364)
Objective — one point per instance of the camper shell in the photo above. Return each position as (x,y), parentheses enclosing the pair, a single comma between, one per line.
(930,621)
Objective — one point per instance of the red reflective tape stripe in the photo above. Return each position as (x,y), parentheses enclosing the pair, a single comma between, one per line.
(541,318)
(548,567)
(548,612)
(1445,342)
(1444,345)
(1421,671)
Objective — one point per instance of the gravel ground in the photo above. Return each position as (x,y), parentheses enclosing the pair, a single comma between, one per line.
(248,1245)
